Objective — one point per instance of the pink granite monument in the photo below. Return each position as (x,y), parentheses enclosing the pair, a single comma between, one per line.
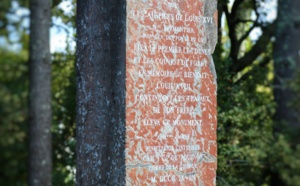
(171,103)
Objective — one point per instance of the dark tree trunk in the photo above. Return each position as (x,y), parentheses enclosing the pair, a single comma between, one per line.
(287,60)
(40,116)
(100,92)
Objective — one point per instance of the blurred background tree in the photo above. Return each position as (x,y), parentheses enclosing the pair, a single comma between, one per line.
(40,109)
(254,146)
(14,83)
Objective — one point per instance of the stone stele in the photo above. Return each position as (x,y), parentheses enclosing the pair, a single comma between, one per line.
(171,92)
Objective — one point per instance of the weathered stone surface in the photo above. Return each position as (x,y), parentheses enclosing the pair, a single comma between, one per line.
(171,92)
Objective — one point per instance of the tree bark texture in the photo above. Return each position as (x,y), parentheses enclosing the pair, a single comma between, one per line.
(40,115)
(287,60)
(100,65)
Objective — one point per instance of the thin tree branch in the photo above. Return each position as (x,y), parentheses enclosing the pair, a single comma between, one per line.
(235,7)
(227,14)
(220,12)
(246,34)
(244,21)
(232,34)
(257,49)
(263,63)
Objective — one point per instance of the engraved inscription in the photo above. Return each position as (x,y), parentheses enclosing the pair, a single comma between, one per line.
(170,93)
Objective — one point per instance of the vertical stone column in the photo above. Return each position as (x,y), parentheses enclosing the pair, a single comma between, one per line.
(171,92)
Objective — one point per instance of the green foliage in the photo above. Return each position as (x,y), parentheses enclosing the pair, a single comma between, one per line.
(284,158)
(13,117)
(284,161)
(64,105)
(68,18)
(13,100)
(295,87)
(4,6)
(13,114)
(64,91)
(244,125)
